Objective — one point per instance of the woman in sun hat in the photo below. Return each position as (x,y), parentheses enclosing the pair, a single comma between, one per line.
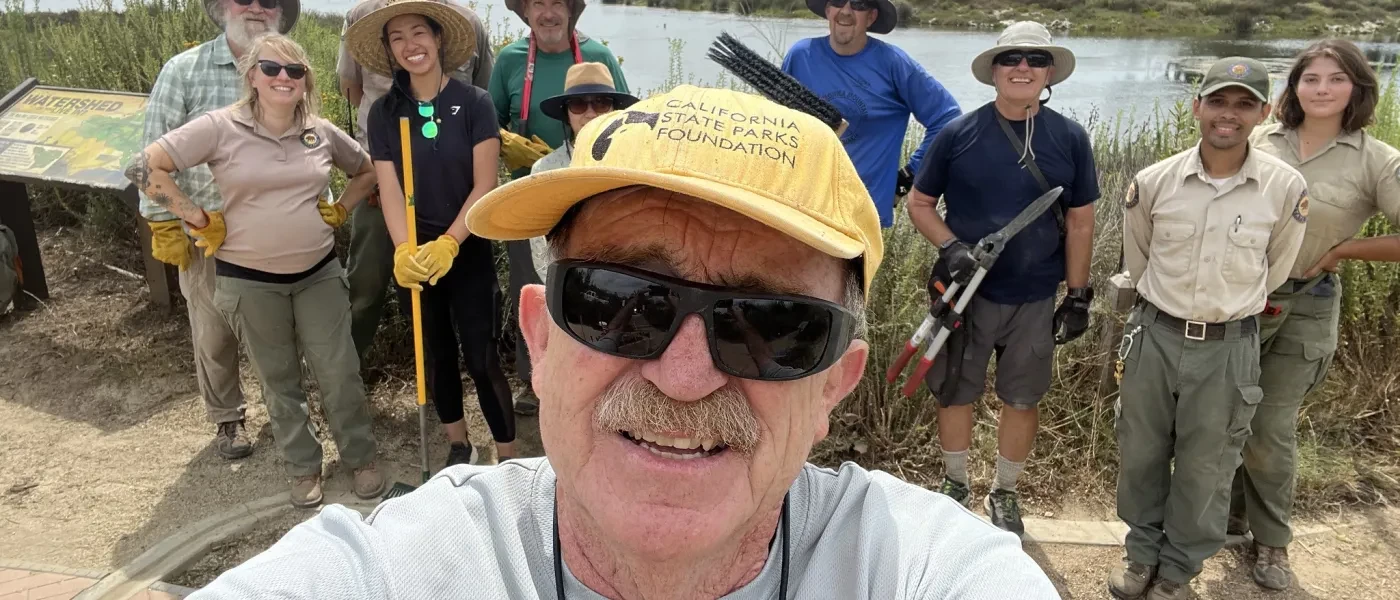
(278,284)
(456,146)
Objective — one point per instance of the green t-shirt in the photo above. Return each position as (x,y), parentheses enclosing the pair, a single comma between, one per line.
(508,84)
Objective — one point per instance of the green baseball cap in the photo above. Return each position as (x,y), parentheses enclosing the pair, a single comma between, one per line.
(1244,72)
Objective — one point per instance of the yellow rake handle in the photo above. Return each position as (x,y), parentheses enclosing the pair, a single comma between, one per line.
(413,239)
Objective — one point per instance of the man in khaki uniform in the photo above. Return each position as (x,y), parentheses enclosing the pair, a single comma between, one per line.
(1207,234)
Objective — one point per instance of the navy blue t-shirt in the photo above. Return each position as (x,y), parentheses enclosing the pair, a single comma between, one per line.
(977,172)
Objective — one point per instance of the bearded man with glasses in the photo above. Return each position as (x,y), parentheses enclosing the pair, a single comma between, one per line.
(877,87)
(194,82)
(701,318)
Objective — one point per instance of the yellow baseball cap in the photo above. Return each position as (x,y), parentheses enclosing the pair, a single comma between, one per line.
(778,166)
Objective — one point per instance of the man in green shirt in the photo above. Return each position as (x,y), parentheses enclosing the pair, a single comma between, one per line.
(552,46)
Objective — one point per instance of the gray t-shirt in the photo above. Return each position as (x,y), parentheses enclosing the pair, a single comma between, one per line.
(486,532)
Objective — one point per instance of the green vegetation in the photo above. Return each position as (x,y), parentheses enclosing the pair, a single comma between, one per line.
(1274,18)
(1350,430)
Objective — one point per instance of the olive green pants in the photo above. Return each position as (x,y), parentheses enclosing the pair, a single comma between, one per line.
(1297,348)
(370,266)
(1191,401)
(279,323)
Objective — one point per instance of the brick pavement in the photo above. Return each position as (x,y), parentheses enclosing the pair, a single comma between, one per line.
(56,584)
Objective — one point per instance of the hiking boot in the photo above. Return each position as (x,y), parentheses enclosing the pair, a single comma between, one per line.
(1005,511)
(459,454)
(306,491)
(1237,525)
(369,483)
(232,440)
(1271,568)
(1129,580)
(1166,590)
(959,492)
(526,404)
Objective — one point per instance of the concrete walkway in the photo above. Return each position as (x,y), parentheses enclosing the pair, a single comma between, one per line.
(26,581)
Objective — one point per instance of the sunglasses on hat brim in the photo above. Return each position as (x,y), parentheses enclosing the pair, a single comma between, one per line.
(635,314)
(1035,59)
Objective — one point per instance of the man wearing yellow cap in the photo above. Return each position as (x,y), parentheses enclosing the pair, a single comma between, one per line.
(701,319)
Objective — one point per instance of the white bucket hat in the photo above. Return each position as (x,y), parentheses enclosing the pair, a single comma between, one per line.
(1025,35)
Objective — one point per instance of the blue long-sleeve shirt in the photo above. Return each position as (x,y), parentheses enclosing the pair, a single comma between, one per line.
(876,90)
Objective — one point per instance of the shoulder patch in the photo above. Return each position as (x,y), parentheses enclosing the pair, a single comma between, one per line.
(1132,197)
(1300,210)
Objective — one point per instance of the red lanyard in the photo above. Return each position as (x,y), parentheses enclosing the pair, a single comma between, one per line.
(530,77)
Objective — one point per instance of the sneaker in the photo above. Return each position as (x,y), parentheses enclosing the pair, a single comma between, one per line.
(306,491)
(1130,580)
(1166,590)
(232,440)
(958,491)
(369,483)
(1271,568)
(526,404)
(459,454)
(1005,511)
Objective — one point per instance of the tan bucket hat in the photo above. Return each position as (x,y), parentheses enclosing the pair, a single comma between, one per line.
(365,37)
(1025,35)
(575,9)
(291,9)
(586,79)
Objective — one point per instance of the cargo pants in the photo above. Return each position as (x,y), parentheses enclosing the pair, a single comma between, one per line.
(369,268)
(215,345)
(1297,348)
(279,323)
(1184,411)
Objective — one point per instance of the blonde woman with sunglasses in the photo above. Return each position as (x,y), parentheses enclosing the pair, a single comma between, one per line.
(278,282)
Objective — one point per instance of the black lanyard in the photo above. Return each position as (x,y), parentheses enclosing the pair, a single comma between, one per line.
(559,557)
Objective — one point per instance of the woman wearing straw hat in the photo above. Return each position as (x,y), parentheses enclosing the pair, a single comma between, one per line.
(455,145)
(278,283)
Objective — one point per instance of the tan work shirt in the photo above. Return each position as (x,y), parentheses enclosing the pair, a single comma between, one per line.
(476,71)
(1212,251)
(270,184)
(1350,180)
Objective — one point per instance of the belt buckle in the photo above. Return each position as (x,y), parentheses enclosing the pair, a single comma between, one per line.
(1199,337)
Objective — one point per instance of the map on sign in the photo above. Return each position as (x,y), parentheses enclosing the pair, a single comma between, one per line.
(72,136)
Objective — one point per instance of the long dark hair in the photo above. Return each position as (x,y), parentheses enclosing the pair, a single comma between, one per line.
(1365,91)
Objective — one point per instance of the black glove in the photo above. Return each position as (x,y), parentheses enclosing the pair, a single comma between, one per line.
(956,257)
(1072,317)
(903,182)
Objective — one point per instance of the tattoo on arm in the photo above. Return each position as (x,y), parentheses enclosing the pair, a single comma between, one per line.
(161,200)
(139,171)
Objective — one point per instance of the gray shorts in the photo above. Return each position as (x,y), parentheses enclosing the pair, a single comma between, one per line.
(1021,336)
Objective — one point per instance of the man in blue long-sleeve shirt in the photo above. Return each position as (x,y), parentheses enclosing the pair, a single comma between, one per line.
(876,86)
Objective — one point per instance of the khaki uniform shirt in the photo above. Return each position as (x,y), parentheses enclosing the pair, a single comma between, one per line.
(1212,252)
(1350,180)
(270,184)
(476,71)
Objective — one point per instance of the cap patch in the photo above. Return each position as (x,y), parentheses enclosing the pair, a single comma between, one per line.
(1239,70)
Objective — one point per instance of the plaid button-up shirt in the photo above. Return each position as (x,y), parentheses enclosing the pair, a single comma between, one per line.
(194,82)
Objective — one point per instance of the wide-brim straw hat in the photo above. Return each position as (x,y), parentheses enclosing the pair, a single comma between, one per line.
(291,9)
(586,79)
(884,22)
(1025,35)
(365,37)
(576,8)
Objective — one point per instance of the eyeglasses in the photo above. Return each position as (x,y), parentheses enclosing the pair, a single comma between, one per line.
(426,110)
(266,4)
(631,313)
(856,5)
(1035,59)
(271,68)
(601,104)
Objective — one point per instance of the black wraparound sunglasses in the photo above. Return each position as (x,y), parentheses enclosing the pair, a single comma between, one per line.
(856,5)
(631,313)
(1035,59)
(266,4)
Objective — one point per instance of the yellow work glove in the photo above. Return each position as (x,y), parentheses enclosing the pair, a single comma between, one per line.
(436,256)
(408,272)
(169,244)
(520,153)
(333,214)
(212,235)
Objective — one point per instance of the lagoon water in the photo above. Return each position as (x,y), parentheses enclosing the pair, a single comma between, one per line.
(1112,74)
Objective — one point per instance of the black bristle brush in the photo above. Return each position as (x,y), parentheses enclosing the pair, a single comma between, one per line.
(771,81)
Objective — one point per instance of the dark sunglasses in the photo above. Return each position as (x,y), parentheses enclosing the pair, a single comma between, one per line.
(271,68)
(857,5)
(635,314)
(1035,59)
(601,104)
(266,4)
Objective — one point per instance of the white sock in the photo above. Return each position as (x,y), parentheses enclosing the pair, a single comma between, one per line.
(955,466)
(1007,473)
